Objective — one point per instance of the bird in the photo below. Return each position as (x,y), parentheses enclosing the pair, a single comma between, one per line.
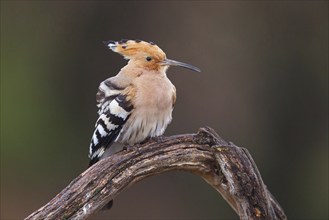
(137,103)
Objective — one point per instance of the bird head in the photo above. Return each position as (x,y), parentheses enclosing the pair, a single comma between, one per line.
(145,54)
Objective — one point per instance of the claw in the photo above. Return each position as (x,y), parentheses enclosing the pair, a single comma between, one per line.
(135,147)
(158,138)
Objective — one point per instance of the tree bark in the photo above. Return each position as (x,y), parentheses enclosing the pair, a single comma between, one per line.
(227,168)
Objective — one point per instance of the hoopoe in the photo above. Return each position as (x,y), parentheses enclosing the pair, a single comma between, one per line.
(137,103)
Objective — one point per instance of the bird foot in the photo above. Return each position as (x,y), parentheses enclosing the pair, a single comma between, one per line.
(158,138)
(135,147)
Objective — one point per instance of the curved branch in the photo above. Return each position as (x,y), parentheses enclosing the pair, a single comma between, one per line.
(227,168)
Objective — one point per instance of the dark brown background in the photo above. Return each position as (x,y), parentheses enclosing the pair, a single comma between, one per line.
(264,86)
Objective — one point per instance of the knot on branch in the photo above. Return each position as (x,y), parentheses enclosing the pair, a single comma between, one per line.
(207,135)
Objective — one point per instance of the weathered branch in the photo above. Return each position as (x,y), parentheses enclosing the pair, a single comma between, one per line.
(227,168)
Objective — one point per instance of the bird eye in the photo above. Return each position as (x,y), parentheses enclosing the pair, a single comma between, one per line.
(148,58)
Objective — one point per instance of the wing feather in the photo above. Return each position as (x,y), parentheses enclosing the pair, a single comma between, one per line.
(114,110)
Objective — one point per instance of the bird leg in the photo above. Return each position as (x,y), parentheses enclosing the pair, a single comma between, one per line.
(131,148)
(136,147)
(158,138)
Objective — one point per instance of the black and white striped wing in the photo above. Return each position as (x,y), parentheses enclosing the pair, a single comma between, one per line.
(113,114)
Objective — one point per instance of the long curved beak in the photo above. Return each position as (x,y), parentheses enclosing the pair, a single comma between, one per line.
(177,63)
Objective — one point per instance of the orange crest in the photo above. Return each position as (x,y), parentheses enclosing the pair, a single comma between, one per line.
(136,49)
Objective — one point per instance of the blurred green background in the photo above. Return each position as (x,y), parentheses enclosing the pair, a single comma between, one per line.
(264,86)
